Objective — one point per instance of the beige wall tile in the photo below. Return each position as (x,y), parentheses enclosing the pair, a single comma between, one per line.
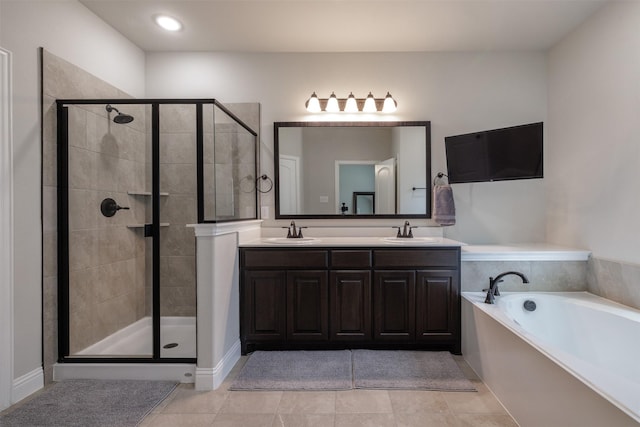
(178,178)
(177,118)
(178,148)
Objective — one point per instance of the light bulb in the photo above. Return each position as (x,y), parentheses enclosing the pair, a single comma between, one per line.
(390,105)
(369,104)
(352,105)
(332,104)
(313,104)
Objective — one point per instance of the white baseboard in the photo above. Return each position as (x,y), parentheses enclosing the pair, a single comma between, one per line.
(27,384)
(212,378)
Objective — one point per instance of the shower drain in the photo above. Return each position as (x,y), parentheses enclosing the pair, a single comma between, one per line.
(171,345)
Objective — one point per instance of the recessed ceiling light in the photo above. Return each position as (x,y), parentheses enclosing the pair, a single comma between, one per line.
(168,23)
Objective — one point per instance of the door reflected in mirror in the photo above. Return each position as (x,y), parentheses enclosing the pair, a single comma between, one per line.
(352,169)
(364,203)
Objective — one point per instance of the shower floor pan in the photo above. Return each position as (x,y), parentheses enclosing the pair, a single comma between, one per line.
(177,339)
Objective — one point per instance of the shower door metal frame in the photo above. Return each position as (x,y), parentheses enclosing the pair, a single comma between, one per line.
(63,217)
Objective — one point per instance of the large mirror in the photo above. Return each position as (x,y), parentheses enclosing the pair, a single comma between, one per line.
(352,169)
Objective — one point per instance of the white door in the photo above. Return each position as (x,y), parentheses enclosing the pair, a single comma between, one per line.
(289,175)
(386,187)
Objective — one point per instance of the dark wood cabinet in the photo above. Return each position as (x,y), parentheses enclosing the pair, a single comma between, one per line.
(437,302)
(263,305)
(350,301)
(313,298)
(307,305)
(394,305)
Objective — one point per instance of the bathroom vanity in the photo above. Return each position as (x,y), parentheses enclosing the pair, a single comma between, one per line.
(350,293)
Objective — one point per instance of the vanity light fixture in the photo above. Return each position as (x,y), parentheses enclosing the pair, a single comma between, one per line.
(168,23)
(332,104)
(351,104)
(313,104)
(390,105)
(369,104)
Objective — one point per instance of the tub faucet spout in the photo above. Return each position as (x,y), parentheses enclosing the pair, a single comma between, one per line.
(492,292)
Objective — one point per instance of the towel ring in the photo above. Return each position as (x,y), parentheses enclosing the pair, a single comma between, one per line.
(439,176)
(264,178)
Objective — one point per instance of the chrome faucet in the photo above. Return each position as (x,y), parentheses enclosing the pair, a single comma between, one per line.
(293,232)
(406,231)
(492,292)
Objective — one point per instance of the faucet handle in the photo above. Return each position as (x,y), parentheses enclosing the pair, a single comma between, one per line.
(398,234)
(288,231)
(300,236)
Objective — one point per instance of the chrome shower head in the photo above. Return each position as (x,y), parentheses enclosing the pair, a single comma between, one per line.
(120,118)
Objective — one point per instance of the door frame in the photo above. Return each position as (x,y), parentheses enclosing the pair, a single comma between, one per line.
(6,231)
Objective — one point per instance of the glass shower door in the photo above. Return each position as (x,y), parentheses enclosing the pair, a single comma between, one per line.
(179,130)
(107,172)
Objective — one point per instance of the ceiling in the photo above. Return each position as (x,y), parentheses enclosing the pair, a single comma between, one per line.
(347,25)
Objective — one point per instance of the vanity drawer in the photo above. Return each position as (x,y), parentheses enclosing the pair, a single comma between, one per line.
(295,258)
(350,259)
(415,258)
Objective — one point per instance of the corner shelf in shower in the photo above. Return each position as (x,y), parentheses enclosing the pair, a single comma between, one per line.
(162,224)
(144,193)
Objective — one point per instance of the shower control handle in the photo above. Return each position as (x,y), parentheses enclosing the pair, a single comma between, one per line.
(109,207)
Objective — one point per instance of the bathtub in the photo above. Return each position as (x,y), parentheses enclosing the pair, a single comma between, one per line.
(572,359)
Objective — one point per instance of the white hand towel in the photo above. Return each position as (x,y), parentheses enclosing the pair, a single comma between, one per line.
(444,210)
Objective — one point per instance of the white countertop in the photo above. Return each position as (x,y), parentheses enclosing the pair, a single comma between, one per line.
(352,242)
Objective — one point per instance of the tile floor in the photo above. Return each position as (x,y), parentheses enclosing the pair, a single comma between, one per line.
(186,407)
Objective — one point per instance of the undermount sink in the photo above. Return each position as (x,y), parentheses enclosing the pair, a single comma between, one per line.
(409,239)
(292,241)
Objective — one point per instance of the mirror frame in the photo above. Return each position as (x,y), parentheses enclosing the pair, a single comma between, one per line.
(276,159)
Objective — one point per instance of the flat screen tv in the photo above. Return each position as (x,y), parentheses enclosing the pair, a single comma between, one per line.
(495,155)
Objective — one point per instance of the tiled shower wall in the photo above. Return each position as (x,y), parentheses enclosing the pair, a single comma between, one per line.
(235,178)
(614,280)
(106,256)
(177,209)
(61,80)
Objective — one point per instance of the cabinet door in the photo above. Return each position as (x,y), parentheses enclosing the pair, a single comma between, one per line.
(394,305)
(437,305)
(350,300)
(263,306)
(307,306)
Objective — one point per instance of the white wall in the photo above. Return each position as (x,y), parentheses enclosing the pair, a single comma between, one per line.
(69,30)
(458,92)
(593,158)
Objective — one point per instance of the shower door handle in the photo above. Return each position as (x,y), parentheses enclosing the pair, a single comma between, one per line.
(109,207)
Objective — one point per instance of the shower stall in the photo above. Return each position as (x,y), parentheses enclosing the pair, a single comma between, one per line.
(132,174)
